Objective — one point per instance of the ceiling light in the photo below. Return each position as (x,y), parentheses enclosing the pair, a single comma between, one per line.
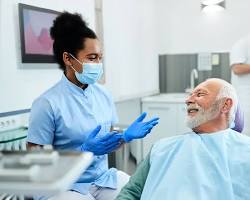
(212,5)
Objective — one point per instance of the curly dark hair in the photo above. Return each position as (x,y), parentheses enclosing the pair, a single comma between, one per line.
(69,32)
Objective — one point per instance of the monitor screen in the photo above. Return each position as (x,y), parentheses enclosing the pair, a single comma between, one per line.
(36,43)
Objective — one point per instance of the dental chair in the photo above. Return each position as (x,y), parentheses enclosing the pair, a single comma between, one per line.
(239,120)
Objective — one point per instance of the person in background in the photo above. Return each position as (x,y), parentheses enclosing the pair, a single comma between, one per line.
(211,162)
(78,114)
(240,65)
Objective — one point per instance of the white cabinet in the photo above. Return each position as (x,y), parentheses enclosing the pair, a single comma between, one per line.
(171,110)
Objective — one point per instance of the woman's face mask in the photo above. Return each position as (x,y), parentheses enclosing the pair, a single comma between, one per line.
(91,73)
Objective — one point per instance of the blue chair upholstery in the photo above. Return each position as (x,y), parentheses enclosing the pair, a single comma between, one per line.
(239,120)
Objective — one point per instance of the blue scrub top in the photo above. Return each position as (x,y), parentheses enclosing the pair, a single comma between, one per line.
(65,115)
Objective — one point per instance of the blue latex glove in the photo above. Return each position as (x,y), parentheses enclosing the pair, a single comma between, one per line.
(100,145)
(139,129)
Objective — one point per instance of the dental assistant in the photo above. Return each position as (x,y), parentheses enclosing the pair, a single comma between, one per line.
(240,65)
(78,114)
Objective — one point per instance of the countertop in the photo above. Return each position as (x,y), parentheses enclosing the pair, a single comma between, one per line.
(166,98)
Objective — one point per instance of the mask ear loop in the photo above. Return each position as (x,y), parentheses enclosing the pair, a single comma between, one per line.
(75,58)
(72,67)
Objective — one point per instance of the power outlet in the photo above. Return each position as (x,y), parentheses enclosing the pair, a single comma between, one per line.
(9,123)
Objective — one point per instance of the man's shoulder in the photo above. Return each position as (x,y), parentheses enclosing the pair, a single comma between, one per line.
(166,144)
(173,139)
(241,43)
(239,137)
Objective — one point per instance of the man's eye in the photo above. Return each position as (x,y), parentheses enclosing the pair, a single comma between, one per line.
(199,94)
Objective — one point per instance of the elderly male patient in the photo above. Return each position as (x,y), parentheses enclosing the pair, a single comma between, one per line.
(210,163)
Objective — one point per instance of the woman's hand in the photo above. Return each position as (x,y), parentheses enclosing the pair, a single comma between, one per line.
(139,129)
(100,145)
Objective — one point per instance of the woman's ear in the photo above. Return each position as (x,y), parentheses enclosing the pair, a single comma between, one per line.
(227,105)
(66,59)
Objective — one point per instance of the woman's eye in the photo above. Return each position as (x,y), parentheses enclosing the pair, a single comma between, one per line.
(92,59)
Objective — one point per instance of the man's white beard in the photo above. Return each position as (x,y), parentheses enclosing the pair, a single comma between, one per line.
(202,115)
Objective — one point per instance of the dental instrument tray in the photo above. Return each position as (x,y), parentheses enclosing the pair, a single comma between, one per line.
(44,172)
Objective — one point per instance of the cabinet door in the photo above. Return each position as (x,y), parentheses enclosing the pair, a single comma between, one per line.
(167,123)
(181,116)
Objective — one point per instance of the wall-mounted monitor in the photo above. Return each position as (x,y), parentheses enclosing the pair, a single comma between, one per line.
(36,43)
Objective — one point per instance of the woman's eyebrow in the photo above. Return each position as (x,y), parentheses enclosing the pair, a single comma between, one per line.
(94,54)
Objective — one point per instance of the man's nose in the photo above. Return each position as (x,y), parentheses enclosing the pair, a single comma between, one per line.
(189,100)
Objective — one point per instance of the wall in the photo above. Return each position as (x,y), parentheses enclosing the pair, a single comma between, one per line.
(175,71)
(131,56)
(130,51)
(19,87)
(134,33)
(183,28)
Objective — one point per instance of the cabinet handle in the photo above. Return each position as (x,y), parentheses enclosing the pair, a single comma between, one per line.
(158,108)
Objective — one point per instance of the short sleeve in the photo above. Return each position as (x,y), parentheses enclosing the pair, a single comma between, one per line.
(239,52)
(41,123)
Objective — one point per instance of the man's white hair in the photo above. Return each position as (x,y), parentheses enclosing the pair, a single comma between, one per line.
(228,91)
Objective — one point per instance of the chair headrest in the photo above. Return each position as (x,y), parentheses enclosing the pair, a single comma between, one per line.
(239,120)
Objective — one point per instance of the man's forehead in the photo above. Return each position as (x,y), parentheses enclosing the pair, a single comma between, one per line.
(208,86)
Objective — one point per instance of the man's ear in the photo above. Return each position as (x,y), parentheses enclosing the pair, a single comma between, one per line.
(228,103)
